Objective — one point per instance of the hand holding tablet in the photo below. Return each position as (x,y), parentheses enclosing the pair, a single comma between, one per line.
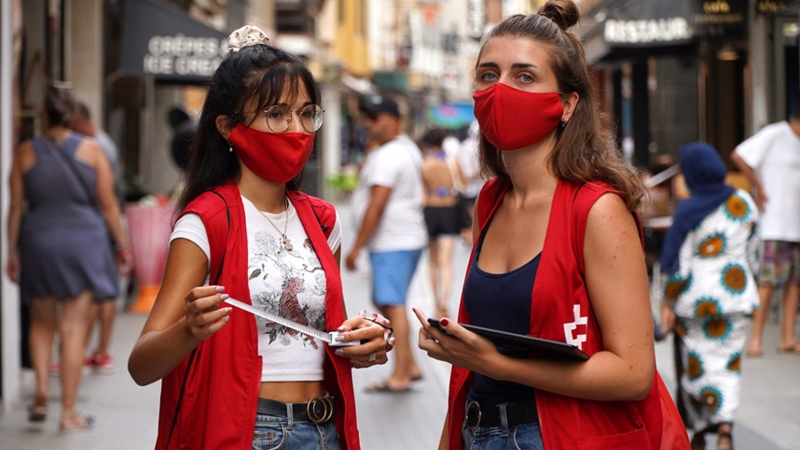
(535,346)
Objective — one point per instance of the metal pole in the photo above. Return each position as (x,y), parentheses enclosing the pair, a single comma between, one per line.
(9,294)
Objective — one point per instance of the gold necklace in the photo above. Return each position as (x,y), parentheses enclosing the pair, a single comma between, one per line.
(287,243)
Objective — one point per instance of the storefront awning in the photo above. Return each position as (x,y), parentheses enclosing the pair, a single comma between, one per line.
(164,42)
(652,24)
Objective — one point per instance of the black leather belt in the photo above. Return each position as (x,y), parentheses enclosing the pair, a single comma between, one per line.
(317,410)
(477,415)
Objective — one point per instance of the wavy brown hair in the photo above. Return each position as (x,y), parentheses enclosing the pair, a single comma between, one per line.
(584,149)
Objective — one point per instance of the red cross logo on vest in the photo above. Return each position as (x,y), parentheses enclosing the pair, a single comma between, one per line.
(569,328)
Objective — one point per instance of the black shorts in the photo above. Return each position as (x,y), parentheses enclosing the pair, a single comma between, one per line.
(442,221)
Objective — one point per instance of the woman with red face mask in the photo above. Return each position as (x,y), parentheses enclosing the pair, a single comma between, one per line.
(232,379)
(557,255)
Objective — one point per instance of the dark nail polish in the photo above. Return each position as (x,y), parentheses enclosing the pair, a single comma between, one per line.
(444,322)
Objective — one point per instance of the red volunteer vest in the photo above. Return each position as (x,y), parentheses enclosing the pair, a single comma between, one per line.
(209,401)
(560,296)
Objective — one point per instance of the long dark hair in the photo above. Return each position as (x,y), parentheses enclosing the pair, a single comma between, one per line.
(254,77)
(584,149)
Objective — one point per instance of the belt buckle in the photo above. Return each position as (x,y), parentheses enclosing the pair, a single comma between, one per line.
(472,406)
(328,409)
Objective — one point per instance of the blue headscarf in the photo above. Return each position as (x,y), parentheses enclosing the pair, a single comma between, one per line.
(704,173)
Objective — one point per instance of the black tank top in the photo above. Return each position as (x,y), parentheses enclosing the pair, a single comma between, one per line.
(500,302)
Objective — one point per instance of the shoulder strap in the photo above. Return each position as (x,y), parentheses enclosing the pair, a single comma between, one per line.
(70,160)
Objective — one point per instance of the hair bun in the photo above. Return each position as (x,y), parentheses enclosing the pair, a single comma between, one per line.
(563,12)
(245,37)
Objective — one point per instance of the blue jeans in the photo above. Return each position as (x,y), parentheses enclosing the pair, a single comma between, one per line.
(521,437)
(274,432)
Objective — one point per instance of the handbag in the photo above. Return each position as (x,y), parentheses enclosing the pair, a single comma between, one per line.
(462,205)
(85,185)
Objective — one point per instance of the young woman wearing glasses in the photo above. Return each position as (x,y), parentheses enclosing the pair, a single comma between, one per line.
(231,379)
(557,256)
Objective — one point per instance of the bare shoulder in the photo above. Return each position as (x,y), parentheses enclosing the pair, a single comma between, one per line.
(89,151)
(25,157)
(610,220)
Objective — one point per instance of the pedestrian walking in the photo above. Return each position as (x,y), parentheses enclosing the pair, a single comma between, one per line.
(558,256)
(104,309)
(387,208)
(710,255)
(59,249)
(469,170)
(770,160)
(442,215)
(247,233)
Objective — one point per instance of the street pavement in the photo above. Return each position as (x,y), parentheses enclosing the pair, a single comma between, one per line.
(126,414)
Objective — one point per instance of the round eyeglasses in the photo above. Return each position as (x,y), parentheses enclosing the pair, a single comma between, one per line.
(279,117)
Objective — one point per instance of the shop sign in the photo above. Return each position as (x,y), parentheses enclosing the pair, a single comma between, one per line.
(162,41)
(770,6)
(647,31)
(720,12)
(183,56)
(647,23)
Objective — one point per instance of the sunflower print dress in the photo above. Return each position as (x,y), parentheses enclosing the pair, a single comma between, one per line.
(713,296)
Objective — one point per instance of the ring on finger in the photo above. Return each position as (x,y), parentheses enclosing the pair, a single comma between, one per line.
(372,357)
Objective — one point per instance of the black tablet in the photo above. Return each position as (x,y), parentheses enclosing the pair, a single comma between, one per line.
(536,347)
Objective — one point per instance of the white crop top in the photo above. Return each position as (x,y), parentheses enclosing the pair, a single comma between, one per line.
(289,283)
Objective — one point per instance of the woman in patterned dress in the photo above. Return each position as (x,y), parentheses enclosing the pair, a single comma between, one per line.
(710,257)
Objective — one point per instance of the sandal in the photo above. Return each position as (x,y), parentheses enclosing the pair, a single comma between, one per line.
(724,441)
(38,411)
(755,351)
(77,422)
(383,387)
(790,348)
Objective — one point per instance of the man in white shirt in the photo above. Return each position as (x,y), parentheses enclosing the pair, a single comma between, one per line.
(387,205)
(770,160)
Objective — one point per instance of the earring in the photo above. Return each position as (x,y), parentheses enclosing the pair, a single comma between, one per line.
(564,121)
(230,148)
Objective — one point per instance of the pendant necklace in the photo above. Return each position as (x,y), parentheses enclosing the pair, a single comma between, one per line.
(287,243)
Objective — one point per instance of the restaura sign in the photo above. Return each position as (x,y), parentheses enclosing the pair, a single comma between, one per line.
(647,31)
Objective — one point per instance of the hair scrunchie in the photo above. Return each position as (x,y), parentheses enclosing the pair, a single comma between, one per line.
(246,36)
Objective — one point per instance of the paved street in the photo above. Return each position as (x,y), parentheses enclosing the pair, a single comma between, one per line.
(769,416)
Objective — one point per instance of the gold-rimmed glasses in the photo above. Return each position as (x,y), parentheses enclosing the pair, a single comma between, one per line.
(279,117)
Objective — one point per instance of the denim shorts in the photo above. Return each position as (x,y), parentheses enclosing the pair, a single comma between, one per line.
(391,275)
(521,437)
(276,432)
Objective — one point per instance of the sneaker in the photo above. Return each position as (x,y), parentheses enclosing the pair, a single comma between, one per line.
(102,364)
(55,368)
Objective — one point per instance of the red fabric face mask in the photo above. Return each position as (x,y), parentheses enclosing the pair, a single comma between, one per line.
(511,119)
(275,157)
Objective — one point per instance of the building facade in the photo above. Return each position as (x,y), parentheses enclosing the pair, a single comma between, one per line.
(677,72)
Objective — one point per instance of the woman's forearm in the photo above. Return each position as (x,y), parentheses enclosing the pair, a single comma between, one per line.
(604,377)
(113,218)
(14,223)
(157,353)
